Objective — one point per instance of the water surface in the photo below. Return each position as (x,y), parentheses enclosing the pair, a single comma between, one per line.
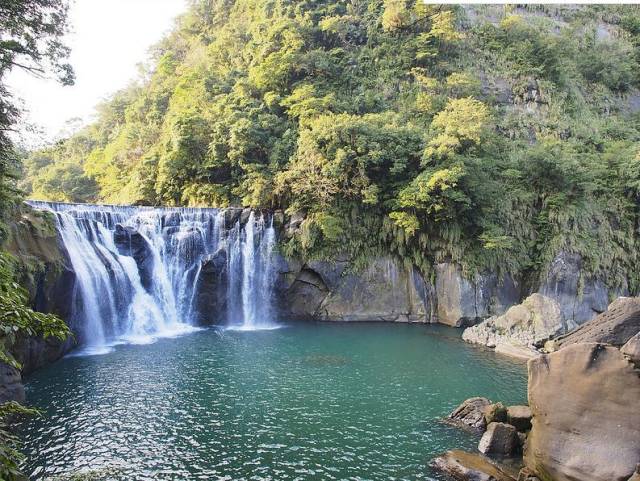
(305,402)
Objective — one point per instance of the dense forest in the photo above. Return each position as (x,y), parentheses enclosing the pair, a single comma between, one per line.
(494,136)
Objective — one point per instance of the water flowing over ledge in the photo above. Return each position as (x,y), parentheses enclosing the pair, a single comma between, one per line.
(139,270)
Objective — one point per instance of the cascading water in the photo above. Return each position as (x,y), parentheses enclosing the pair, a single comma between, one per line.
(139,270)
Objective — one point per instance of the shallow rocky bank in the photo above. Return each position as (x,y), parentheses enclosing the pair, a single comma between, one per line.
(582,423)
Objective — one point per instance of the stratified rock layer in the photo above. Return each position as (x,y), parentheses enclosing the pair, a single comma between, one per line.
(586,422)
(616,326)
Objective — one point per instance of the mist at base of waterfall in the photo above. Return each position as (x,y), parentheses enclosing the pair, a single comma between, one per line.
(138,271)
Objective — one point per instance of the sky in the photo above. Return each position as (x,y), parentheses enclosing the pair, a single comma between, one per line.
(108,38)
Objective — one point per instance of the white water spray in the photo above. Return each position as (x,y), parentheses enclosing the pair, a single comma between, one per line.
(137,269)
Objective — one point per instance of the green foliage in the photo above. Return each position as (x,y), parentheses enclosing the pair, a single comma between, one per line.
(490,136)
(31,34)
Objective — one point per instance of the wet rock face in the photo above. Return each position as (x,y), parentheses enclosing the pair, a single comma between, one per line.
(616,326)
(586,422)
(330,291)
(131,243)
(211,293)
(463,302)
(11,388)
(50,282)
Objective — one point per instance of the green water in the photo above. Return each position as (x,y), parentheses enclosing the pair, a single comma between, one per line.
(305,402)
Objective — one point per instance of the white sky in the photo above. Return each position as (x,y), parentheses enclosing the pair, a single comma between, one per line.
(109,38)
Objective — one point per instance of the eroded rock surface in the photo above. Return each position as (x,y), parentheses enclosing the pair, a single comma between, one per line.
(586,421)
(464,302)
(384,291)
(469,467)
(538,318)
(499,439)
(470,414)
(616,326)
(580,297)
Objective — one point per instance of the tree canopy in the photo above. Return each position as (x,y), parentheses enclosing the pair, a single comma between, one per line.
(493,136)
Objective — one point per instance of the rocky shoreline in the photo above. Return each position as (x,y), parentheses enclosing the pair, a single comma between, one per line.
(584,380)
(582,422)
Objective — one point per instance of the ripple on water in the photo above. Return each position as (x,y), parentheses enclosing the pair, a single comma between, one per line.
(308,402)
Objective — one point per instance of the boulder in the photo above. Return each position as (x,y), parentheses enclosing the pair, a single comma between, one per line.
(619,323)
(469,467)
(632,349)
(470,414)
(538,318)
(519,417)
(495,413)
(586,422)
(464,302)
(500,439)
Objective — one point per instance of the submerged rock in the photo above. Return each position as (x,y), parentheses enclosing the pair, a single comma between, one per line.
(470,414)
(538,318)
(469,467)
(586,422)
(500,439)
(616,326)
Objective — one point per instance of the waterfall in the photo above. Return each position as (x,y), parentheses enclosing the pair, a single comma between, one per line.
(141,272)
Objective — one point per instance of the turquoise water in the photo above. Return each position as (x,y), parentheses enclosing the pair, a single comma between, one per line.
(305,402)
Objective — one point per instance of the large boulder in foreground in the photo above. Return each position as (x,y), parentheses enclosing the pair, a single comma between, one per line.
(538,318)
(469,467)
(586,422)
(619,323)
